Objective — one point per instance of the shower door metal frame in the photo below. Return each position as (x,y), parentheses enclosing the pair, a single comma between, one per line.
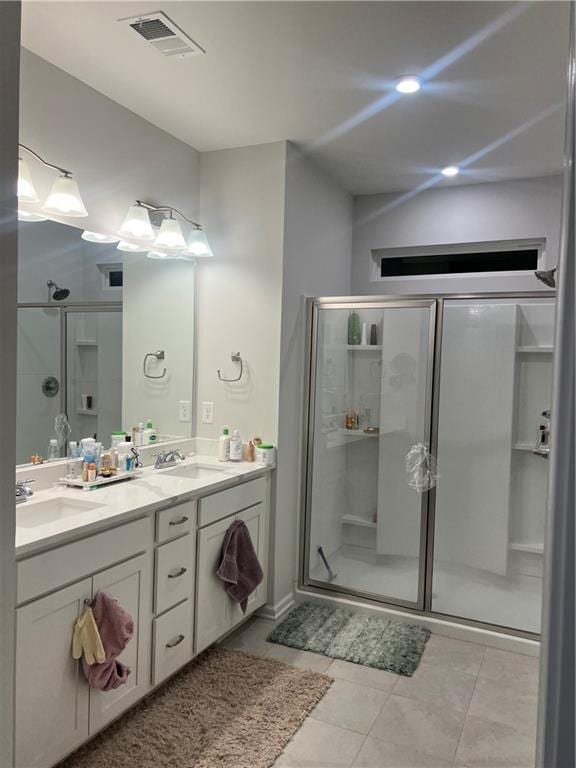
(383,303)
(423,607)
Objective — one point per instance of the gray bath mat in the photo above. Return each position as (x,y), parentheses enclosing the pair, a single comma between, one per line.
(356,637)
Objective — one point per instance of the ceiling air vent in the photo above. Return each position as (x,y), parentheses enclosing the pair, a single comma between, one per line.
(161,32)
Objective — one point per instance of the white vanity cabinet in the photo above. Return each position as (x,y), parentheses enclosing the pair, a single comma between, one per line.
(216,613)
(55,710)
(161,568)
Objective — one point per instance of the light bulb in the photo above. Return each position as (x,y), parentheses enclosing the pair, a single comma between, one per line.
(123,245)
(408,84)
(450,170)
(64,198)
(26,191)
(137,224)
(170,236)
(96,237)
(198,245)
(29,216)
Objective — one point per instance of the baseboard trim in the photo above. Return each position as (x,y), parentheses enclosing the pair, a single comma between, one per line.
(277,611)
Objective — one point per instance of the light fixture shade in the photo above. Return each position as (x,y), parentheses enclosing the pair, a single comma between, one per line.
(64,198)
(26,190)
(198,245)
(29,216)
(96,237)
(131,247)
(170,236)
(137,224)
(161,255)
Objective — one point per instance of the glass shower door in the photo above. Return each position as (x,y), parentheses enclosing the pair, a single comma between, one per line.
(370,404)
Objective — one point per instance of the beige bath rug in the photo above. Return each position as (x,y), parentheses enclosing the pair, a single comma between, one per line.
(224,710)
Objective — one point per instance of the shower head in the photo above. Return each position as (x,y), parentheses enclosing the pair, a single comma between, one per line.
(55,292)
(547,276)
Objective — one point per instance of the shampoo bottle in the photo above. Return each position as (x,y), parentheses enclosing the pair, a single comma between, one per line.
(235,446)
(224,445)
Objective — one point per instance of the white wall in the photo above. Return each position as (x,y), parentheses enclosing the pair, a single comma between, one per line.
(317,252)
(239,292)
(528,208)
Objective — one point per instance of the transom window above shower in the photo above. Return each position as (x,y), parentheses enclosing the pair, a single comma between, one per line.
(507,257)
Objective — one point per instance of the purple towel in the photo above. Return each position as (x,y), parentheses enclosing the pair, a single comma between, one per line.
(239,568)
(116,628)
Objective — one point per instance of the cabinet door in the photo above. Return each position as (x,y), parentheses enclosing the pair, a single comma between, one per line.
(213,606)
(51,692)
(130,584)
(256,519)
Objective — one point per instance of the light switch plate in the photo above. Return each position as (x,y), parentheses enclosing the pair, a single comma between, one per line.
(185,410)
(207,413)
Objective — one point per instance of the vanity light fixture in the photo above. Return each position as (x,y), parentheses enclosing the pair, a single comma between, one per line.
(408,84)
(170,241)
(64,198)
(450,171)
(137,223)
(96,237)
(124,245)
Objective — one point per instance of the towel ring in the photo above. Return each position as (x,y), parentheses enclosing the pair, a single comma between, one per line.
(159,355)
(236,358)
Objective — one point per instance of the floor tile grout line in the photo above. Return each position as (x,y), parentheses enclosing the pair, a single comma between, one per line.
(466,715)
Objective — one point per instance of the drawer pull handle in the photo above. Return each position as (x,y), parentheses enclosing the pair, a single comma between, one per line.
(181,521)
(179,572)
(177,641)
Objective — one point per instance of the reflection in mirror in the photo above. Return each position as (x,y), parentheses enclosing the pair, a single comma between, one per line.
(69,337)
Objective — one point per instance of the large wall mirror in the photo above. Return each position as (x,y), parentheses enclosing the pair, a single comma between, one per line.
(105,335)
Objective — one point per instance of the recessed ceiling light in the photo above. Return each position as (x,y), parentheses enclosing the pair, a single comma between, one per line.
(450,170)
(408,84)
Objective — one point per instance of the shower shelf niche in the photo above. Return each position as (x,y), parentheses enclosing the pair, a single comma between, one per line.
(530,350)
(356,520)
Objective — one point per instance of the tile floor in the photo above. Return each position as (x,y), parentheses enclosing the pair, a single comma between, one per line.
(466,706)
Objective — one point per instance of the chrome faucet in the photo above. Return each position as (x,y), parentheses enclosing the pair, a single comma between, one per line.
(168,459)
(22,490)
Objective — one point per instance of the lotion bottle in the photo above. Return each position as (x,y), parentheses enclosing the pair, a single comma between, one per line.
(235,446)
(224,445)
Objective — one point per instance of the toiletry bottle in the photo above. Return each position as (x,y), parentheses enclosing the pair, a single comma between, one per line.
(125,458)
(250,451)
(91,472)
(354,332)
(149,435)
(53,449)
(139,434)
(224,445)
(235,446)
(364,336)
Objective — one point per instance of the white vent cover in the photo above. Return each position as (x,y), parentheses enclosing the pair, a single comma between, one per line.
(161,32)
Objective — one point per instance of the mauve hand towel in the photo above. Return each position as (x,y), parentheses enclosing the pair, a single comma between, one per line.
(116,628)
(239,568)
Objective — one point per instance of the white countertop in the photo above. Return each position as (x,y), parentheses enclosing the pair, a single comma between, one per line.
(118,502)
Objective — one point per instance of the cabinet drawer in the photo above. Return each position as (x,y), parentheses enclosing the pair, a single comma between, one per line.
(172,641)
(174,580)
(46,572)
(230,501)
(175,520)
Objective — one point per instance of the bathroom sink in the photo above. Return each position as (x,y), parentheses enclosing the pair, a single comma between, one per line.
(196,471)
(34,513)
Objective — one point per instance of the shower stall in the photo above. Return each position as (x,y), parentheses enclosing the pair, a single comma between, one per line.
(425,478)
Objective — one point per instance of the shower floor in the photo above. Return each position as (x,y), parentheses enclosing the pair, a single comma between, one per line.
(469,593)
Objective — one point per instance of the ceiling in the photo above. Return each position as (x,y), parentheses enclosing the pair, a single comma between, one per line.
(322,75)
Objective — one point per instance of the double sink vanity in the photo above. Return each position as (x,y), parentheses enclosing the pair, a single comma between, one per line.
(154,543)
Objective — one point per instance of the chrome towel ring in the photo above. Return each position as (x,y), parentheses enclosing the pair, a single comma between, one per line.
(159,355)
(236,358)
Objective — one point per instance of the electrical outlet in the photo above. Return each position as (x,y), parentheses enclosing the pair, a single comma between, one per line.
(185,410)
(207,413)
